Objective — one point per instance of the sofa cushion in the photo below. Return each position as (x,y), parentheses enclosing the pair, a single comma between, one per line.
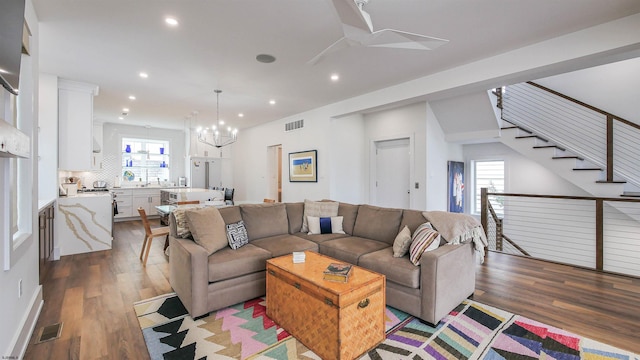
(399,270)
(207,228)
(264,220)
(350,248)
(412,219)
(231,214)
(349,212)
(377,223)
(402,242)
(294,215)
(237,235)
(320,238)
(318,208)
(284,244)
(227,264)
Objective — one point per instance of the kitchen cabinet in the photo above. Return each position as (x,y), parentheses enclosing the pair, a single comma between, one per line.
(123,199)
(75,125)
(97,153)
(46,238)
(147,199)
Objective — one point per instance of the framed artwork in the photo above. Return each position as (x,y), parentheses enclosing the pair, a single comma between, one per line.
(303,166)
(455,188)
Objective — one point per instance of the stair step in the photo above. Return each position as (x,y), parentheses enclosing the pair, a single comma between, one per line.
(532,136)
(509,127)
(549,146)
(567,157)
(631,194)
(594,168)
(611,182)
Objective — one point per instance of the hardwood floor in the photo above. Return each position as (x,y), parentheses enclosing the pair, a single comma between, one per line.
(92,294)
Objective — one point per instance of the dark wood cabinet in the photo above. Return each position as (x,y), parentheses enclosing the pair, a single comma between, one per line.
(46,235)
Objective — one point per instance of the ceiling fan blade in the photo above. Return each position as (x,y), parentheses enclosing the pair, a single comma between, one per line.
(343,43)
(403,40)
(351,15)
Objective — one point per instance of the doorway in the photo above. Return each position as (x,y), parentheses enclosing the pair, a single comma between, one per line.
(392,173)
(274,171)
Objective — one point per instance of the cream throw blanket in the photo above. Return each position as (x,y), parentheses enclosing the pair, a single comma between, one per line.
(457,228)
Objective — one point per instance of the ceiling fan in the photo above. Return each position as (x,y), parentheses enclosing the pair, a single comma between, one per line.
(358,31)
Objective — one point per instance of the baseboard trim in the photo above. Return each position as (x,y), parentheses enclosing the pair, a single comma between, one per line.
(28,325)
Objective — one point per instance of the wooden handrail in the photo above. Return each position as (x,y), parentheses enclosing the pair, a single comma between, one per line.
(565,197)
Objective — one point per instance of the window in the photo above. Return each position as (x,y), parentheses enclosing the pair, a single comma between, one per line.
(145,160)
(488,174)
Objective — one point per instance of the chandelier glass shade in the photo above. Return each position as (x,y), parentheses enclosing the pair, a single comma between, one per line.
(217,135)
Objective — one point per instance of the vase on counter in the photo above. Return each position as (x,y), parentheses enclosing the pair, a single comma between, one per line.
(128,148)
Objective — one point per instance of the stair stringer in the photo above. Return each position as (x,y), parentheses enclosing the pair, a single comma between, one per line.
(584,179)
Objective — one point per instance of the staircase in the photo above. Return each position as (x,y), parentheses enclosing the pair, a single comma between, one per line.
(547,127)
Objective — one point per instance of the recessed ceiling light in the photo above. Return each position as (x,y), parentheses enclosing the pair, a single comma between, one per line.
(240,115)
(143,75)
(125,110)
(132,97)
(265,58)
(120,117)
(272,102)
(171,21)
(335,77)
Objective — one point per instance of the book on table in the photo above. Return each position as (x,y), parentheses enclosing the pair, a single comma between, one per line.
(337,272)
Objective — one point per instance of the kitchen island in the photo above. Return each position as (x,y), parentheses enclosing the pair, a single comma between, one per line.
(84,223)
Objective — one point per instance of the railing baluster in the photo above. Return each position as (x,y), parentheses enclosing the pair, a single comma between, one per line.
(609,147)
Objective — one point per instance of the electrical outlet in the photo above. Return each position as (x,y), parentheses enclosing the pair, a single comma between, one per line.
(19,288)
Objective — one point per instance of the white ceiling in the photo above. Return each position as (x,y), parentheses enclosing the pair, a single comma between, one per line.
(108,43)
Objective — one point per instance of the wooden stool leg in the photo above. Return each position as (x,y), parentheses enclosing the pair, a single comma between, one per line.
(166,242)
(144,244)
(146,255)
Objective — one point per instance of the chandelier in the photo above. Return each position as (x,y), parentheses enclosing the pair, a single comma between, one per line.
(218,135)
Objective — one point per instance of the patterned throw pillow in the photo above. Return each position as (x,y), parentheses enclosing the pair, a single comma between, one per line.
(424,239)
(325,225)
(237,235)
(182,225)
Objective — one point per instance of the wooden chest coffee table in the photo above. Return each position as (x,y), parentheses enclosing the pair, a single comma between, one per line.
(335,320)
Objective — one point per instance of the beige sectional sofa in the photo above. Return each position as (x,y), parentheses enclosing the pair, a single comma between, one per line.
(204,283)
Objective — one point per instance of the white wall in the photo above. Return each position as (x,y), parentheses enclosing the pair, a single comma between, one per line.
(18,314)
(438,153)
(349,174)
(522,175)
(48,137)
(402,122)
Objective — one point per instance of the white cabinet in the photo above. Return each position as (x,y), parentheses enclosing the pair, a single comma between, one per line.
(97,152)
(147,199)
(123,199)
(75,125)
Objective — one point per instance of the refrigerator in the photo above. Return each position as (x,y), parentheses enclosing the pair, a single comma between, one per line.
(205,173)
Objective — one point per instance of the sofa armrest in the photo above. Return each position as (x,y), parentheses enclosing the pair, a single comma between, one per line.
(447,278)
(189,274)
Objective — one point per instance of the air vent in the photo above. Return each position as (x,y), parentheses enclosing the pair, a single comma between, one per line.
(294,125)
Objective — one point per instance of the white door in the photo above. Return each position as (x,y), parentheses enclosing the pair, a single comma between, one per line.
(392,173)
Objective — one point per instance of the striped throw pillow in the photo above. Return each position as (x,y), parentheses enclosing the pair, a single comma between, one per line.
(423,239)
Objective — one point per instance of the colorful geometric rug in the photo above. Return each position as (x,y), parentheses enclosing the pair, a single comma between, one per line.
(471,331)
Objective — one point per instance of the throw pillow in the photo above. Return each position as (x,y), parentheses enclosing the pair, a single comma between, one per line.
(319,209)
(325,225)
(237,235)
(207,228)
(402,242)
(424,239)
(182,227)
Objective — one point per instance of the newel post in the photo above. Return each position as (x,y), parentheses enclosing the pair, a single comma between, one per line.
(609,148)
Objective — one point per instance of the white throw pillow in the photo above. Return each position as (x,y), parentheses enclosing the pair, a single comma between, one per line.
(402,242)
(424,239)
(319,209)
(315,227)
